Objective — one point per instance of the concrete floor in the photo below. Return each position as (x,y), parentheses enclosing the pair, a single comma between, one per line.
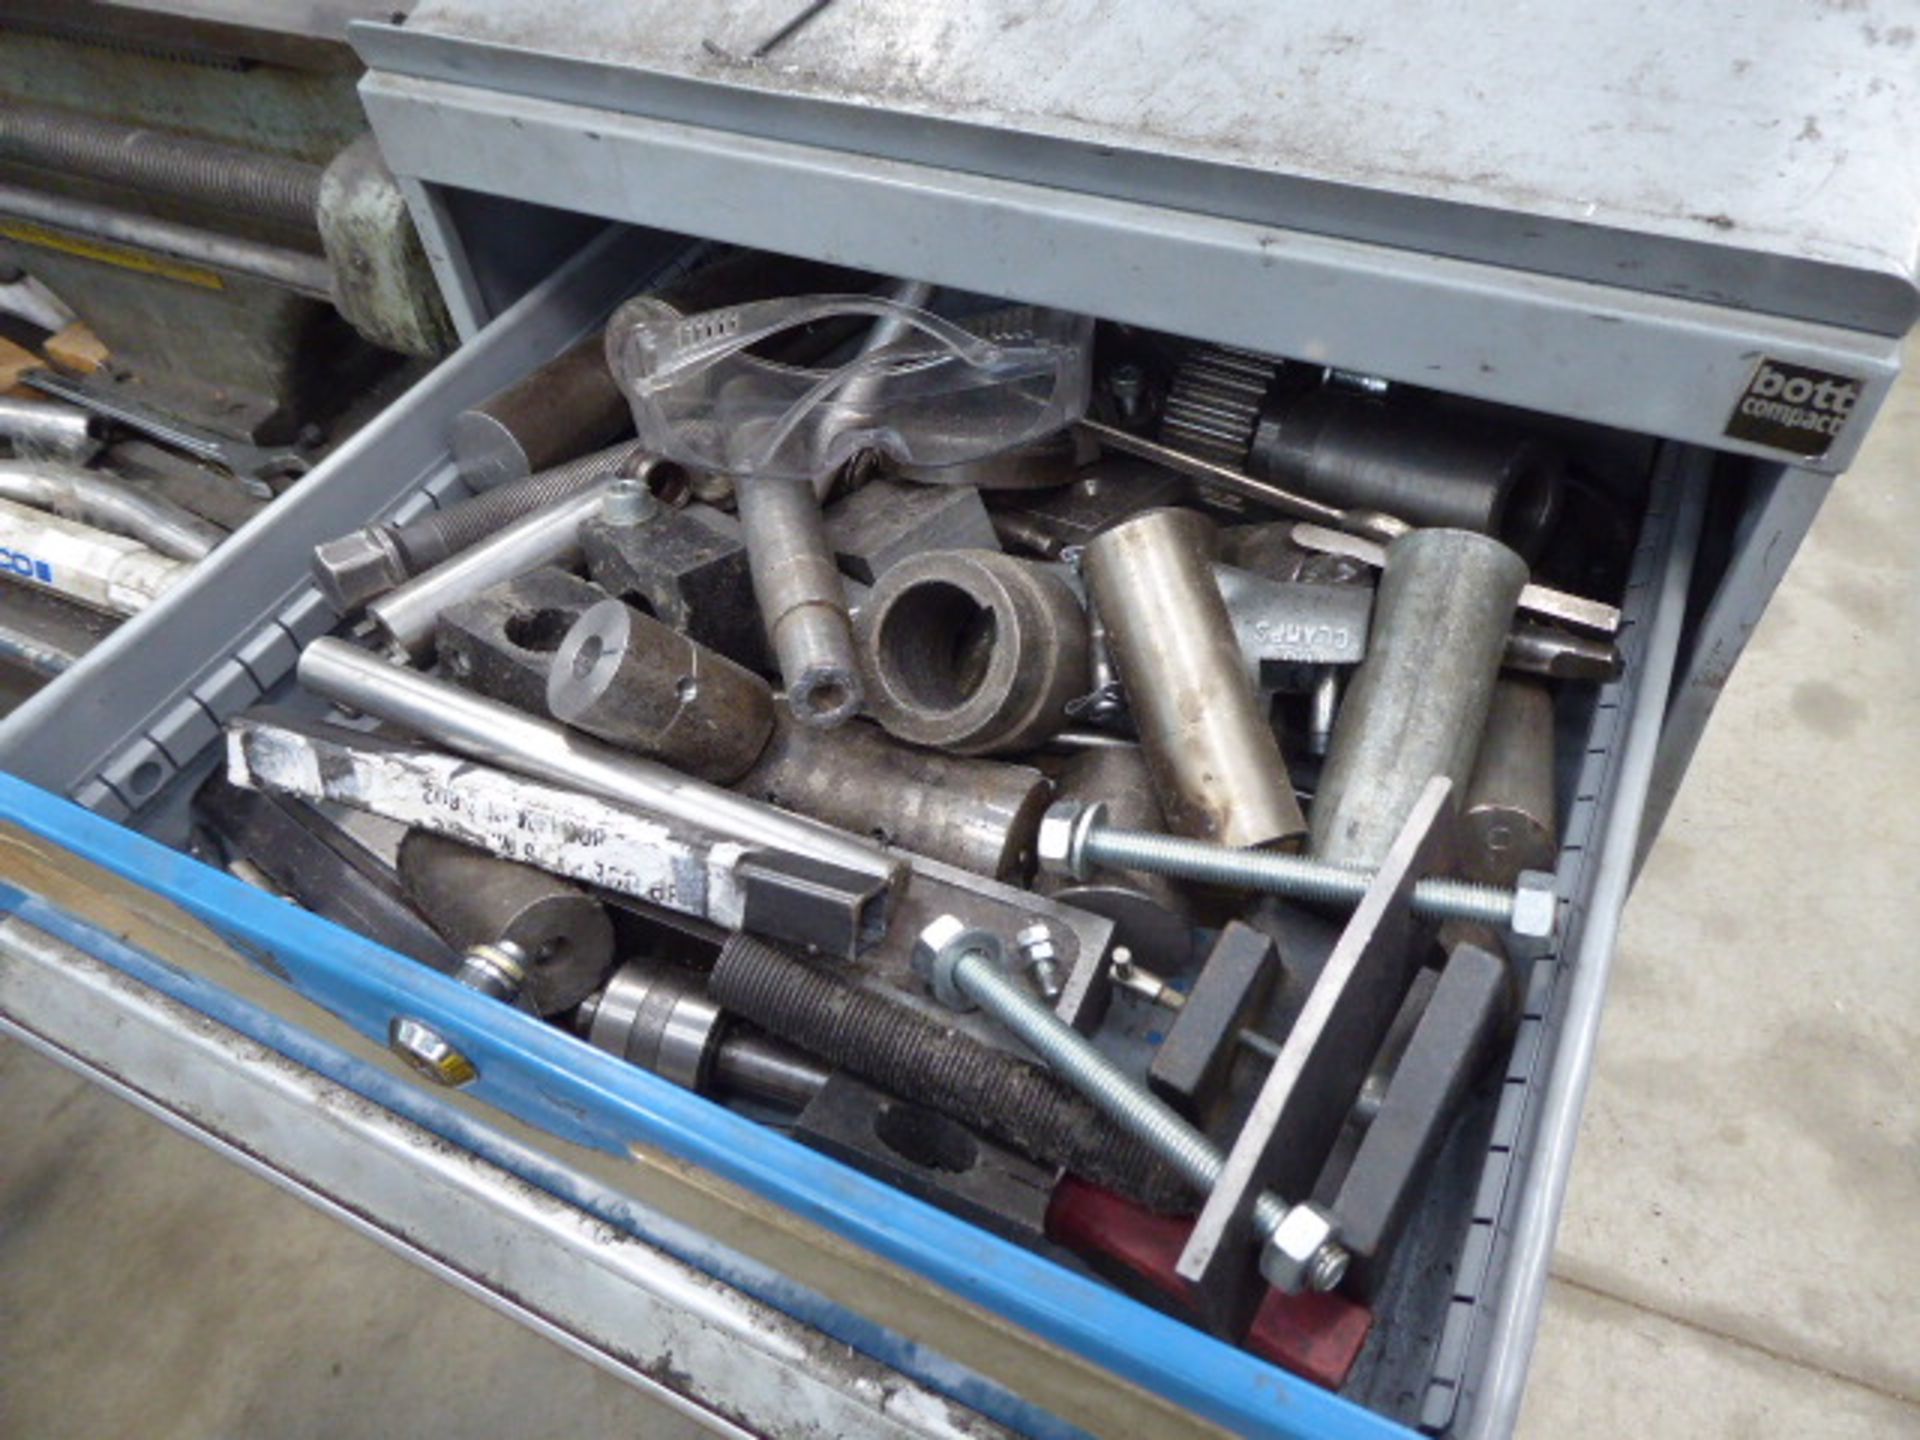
(1740,1254)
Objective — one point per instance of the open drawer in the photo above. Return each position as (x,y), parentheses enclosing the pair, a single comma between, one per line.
(657,1232)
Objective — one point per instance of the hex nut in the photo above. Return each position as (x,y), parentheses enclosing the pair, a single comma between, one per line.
(429,1053)
(1535,906)
(1040,958)
(1290,1261)
(357,568)
(941,946)
(1035,943)
(1062,841)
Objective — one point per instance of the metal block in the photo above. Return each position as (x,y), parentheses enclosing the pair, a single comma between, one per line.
(810,903)
(501,642)
(930,1156)
(1449,1047)
(1190,1069)
(1312,1085)
(687,568)
(887,520)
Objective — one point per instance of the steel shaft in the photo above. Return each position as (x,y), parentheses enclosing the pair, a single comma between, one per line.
(1292,876)
(48,428)
(802,600)
(184,167)
(96,499)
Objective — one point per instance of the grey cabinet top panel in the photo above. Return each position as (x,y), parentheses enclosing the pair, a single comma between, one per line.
(1756,155)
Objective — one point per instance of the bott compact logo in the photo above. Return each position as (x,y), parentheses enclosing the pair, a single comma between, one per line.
(1794,408)
(18,562)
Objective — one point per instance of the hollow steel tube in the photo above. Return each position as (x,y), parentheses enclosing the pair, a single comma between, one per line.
(1215,763)
(49,429)
(109,504)
(290,269)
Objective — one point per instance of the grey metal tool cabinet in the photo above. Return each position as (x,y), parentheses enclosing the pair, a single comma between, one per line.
(1657,220)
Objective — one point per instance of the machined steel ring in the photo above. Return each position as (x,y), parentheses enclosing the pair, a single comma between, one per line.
(973,652)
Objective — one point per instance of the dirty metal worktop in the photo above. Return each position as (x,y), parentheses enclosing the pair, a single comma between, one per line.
(1759,156)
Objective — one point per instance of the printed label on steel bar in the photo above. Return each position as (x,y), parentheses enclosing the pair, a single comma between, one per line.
(557,830)
(1793,408)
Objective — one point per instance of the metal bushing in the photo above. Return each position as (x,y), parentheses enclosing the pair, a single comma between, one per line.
(658,1020)
(629,679)
(973,652)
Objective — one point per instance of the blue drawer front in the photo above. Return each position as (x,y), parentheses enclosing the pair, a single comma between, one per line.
(549,1079)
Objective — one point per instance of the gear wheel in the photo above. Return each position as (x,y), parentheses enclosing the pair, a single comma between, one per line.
(1214,403)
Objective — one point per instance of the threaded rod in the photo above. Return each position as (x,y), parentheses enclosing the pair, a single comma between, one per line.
(204,172)
(1292,876)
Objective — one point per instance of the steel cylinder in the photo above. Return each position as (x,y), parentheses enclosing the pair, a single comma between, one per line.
(1417,705)
(802,599)
(629,679)
(280,265)
(567,407)
(474,898)
(1216,765)
(980,815)
(1426,469)
(1507,821)
(973,651)
(662,1020)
